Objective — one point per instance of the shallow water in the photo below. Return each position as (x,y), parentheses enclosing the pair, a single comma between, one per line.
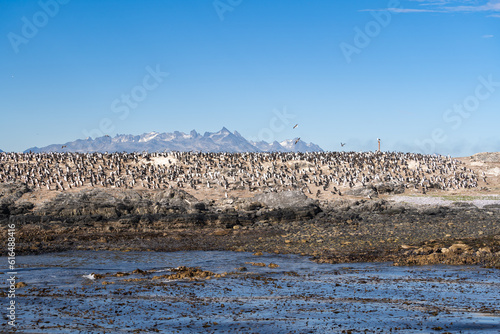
(299,296)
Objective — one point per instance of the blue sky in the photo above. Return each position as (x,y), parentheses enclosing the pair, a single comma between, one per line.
(423,75)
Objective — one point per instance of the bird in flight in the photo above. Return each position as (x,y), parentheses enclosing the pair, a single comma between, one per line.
(296,141)
(342,144)
(296,125)
(63,146)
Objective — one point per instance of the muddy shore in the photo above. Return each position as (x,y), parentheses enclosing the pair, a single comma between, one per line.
(241,292)
(345,230)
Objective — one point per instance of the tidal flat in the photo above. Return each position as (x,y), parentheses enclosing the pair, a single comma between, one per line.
(229,292)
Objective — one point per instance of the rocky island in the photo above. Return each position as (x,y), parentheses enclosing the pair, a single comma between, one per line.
(371,217)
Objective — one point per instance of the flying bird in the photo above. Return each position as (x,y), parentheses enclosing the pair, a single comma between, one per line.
(296,125)
(296,141)
(342,144)
(63,146)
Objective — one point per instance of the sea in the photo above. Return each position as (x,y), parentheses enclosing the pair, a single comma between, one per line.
(268,293)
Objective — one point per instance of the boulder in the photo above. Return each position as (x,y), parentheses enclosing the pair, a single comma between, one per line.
(12,191)
(389,187)
(362,191)
(199,206)
(9,194)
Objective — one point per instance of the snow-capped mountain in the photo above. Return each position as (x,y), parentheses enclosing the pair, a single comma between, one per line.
(221,141)
(300,146)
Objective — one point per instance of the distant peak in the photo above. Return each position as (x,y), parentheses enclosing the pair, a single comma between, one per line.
(220,141)
(149,136)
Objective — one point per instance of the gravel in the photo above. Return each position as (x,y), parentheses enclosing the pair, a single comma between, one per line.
(480,203)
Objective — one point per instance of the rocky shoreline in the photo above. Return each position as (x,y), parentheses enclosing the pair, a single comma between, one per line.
(344,230)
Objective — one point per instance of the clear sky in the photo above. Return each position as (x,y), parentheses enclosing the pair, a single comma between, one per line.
(422,75)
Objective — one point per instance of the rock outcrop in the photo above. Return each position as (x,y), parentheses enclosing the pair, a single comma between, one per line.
(362,191)
(285,199)
(9,194)
(372,190)
(390,187)
(143,210)
(172,220)
(486,157)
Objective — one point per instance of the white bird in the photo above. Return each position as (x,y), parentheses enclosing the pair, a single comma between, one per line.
(89,276)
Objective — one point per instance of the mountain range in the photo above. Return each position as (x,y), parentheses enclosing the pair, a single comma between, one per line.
(221,141)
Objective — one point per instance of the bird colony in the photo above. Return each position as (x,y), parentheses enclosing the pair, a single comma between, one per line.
(320,173)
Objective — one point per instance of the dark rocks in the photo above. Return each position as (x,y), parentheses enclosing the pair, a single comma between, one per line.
(371,206)
(184,272)
(252,206)
(285,199)
(114,204)
(199,206)
(171,197)
(9,194)
(20,208)
(351,229)
(84,203)
(283,206)
(437,252)
(464,205)
(439,211)
(390,187)
(362,191)
(375,189)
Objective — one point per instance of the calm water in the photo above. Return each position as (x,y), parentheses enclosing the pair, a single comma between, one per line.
(299,296)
